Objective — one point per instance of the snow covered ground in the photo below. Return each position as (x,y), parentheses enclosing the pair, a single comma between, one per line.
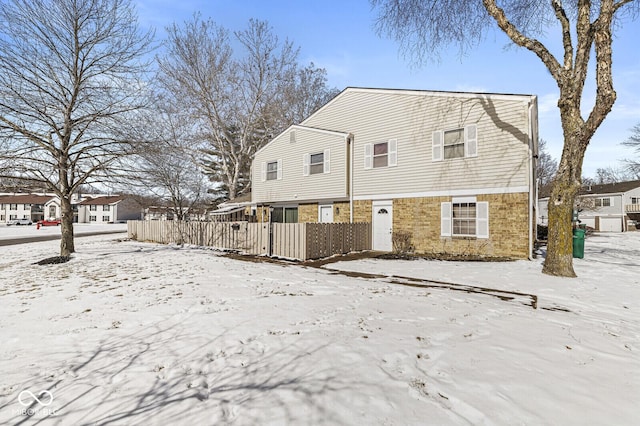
(133,333)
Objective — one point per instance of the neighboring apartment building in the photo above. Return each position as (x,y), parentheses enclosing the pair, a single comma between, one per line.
(24,206)
(611,207)
(452,171)
(108,209)
(86,209)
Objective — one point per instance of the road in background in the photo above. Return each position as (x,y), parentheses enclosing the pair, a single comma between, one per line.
(11,235)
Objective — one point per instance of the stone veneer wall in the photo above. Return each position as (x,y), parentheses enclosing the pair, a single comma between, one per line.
(362,210)
(308,213)
(420,217)
(262,214)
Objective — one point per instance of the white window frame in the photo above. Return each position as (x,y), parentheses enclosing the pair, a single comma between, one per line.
(106,208)
(470,133)
(93,208)
(265,173)
(93,218)
(599,202)
(391,154)
(481,219)
(106,218)
(307,165)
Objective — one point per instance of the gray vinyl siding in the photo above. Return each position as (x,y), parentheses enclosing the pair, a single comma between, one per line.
(294,187)
(634,193)
(615,209)
(411,117)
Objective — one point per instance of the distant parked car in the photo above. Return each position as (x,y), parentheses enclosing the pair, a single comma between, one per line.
(19,222)
(49,222)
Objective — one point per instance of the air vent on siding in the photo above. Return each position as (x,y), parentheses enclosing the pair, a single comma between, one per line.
(292,136)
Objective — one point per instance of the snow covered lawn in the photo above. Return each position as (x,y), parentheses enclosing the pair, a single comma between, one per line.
(134,333)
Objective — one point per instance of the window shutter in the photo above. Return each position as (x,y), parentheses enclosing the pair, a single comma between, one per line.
(393,152)
(306,161)
(445,219)
(471,141)
(279,173)
(368,156)
(327,161)
(482,219)
(437,148)
(263,176)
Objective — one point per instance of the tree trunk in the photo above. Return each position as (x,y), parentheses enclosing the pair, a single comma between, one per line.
(67,245)
(559,260)
(565,187)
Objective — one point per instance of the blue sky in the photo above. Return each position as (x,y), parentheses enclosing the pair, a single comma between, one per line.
(339,36)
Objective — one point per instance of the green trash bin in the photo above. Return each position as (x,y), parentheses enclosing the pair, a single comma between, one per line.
(578,243)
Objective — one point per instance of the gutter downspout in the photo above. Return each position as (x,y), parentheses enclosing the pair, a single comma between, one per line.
(532,191)
(622,204)
(350,175)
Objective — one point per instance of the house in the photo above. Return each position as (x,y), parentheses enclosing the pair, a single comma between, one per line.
(24,206)
(447,172)
(169,213)
(611,207)
(108,209)
(158,213)
(240,209)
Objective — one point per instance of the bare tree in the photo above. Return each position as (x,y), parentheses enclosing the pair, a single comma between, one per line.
(168,168)
(303,95)
(546,165)
(633,166)
(240,98)
(69,76)
(425,27)
(612,175)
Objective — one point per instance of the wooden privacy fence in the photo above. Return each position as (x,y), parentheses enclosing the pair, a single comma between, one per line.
(301,241)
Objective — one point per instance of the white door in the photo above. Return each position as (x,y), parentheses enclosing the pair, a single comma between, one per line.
(382,225)
(326,214)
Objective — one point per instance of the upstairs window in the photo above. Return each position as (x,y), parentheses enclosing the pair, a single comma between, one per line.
(93,207)
(272,170)
(455,143)
(603,202)
(314,164)
(106,208)
(383,154)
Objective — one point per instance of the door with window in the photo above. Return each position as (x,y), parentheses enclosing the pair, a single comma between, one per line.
(382,225)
